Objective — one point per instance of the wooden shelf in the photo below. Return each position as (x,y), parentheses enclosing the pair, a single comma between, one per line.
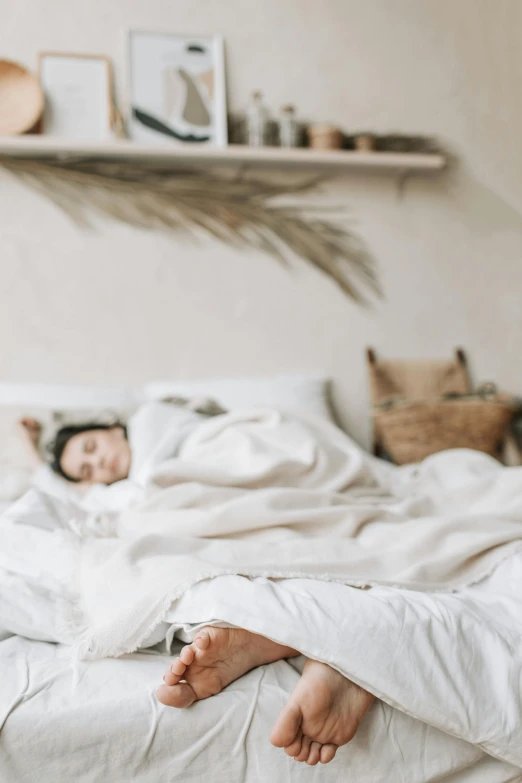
(49,148)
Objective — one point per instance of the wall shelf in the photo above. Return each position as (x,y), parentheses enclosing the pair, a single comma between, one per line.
(48,148)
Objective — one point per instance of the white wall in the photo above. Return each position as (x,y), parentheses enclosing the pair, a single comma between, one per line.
(122,306)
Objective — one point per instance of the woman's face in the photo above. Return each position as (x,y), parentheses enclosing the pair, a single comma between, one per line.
(97,456)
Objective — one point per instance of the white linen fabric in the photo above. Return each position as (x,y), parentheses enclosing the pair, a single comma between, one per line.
(61,713)
(450,660)
(32,603)
(156,433)
(261,494)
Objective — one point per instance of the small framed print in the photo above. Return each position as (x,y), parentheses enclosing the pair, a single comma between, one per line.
(78,95)
(177,89)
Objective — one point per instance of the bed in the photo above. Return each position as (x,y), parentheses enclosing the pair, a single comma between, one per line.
(63,718)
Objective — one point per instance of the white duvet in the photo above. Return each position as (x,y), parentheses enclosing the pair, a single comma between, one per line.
(257,495)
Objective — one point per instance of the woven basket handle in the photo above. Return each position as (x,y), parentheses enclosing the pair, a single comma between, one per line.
(460,356)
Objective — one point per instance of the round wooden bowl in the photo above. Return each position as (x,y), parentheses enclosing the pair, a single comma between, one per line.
(21,99)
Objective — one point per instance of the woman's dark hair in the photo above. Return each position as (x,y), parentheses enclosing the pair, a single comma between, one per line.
(64,435)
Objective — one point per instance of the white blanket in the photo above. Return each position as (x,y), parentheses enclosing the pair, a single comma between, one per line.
(451,660)
(262,494)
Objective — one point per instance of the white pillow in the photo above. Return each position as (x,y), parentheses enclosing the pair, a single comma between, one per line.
(305,392)
(60,396)
(299,392)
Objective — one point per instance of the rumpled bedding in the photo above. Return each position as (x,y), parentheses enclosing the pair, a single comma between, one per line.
(450,660)
(263,493)
(100,721)
(281,525)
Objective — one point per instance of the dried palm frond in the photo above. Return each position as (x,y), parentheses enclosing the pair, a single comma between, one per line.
(235,210)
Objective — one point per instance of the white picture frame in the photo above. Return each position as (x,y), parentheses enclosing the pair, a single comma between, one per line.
(177,89)
(78,96)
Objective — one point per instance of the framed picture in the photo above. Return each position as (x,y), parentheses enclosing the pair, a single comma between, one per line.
(177,89)
(78,95)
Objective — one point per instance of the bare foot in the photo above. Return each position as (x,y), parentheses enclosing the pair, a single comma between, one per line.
(323,712)
(216,657)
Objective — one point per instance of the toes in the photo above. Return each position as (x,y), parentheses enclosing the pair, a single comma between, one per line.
(187,655)
(169,678)
(180,696)
(315,754)
(178,667)
(305,749)
(287,726)
(175,673)
(202,640)
(327,753)
(294,748)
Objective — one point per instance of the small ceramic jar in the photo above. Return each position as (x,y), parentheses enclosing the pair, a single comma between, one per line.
(325,137)
(364,142)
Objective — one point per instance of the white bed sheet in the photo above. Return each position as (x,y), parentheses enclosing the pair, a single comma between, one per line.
(100,721)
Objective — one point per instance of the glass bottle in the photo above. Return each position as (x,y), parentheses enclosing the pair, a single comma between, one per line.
(288,127)
(257,121)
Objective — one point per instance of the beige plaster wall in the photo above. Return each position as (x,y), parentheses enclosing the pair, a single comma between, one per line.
(123,306)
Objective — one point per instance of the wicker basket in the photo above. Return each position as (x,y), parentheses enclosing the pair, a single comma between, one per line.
(412,430)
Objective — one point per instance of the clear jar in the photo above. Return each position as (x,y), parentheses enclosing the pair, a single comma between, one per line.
(288,127)
(257,121)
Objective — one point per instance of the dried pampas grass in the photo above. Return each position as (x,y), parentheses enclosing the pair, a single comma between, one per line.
(238,211)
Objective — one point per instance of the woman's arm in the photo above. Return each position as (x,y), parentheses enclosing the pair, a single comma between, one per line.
(30,431)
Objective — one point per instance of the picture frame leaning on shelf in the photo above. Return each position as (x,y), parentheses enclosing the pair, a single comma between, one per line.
(78,91)
(177,91)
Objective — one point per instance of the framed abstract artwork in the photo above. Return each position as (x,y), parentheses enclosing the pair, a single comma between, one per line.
(177,89)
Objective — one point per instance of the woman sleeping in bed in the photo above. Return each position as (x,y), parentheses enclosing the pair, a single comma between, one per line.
(94,453)
(325,709)
(88,453)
